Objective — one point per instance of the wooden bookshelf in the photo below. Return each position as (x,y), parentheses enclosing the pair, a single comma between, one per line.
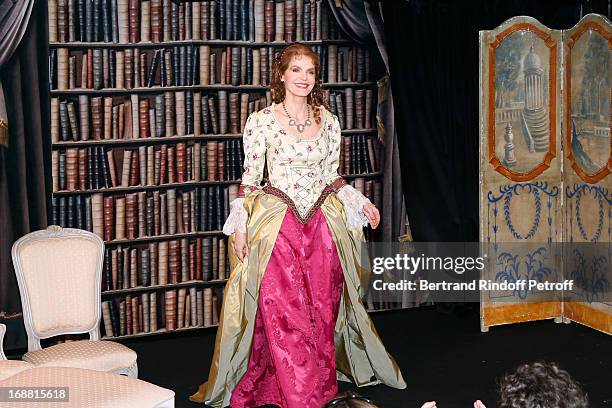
(166,96)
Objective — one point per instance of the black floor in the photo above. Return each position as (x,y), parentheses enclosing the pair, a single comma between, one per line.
(442,354)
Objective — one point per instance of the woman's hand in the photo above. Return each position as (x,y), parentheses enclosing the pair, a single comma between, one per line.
(430,404)
(372,213)
(479,404)
(240,247)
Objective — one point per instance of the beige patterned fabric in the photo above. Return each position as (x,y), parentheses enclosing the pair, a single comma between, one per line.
(60,276)
(12,367)
(89,389)
(94,355)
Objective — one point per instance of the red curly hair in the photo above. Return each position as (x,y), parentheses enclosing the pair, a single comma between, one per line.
(315,98)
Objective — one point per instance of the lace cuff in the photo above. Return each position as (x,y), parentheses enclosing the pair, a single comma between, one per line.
(353,202)
(237,218)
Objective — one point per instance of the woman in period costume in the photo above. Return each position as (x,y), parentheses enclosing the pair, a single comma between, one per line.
(292,321)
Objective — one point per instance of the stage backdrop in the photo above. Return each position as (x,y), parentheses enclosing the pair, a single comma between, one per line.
(544,166)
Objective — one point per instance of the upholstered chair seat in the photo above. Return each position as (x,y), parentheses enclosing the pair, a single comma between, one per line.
(94,355)
(12,367)
(89,389)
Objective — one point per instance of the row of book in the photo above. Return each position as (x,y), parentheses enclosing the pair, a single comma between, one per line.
(183,113)
(165,262)
(96,167)
(161,310)
(124,21)
(146,214)
(187,65)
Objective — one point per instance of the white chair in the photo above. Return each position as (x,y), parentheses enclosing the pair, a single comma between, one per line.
(86,388)
(59,273)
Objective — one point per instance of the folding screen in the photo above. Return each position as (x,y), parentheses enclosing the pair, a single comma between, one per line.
(543,91)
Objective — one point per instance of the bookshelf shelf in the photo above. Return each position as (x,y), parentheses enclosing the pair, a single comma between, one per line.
(213,87)
(133,189)
(158,238)
(187,284)
(176,139)
(238,43)
(98,94)
(160,331)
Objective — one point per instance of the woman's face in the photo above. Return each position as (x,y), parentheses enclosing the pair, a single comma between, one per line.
(299,78)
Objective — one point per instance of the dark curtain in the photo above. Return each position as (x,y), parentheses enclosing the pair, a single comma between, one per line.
(25,165)
(362,22)
(433,57)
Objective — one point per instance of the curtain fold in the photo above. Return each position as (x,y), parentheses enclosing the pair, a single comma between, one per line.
(25,168)
(362,22)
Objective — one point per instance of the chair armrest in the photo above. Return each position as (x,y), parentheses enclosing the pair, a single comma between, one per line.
(2,331)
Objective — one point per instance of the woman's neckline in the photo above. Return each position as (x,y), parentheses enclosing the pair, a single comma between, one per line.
(319,133)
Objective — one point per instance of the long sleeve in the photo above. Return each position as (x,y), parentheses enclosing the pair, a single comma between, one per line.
(254,160)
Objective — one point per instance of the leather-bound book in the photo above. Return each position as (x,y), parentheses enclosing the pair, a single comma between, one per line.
(290,21)
(150,166)
(180,112)
(153,70)
(180,162)
(189,112)
(115,120)
(82,169)
(145,308)
(106,21)
(213,70)
(211,160)
(269,20)
(151,119)
(182,294)
(205,65)
(222,19)
(131,216)
(205,20)
(207,307)
(134,13)
(181,19)
(154,251)
(349,108)
(112,170)
(145,20)
(174,17)
(188,21)
(70,117)
(219,207)
(153,325)
(172,211)
(179,214)
(109,222)
(156,21)
(213,114)
(166,20)
(196,21)
(332,63)
(134,169)
(124,22)
(234,66)
(234,112)
(128,73)
(163,263)
(127,120)
(120,218)
(62,20)
(223,112)
(52,11)
(71,72)
(160,114)
(145,270)
(163,164)
(214,29)
(72,169)
(173,261)
(143,115)
(157,171)
(142,163)
(125,168)
(96,117)
(150,217)
(184,258)
(180,73)
(112,69)
(55,120)
(346,155)
(107,118)
(340,109)
(142,70)
(279,27)
(206,125)
(368,108)
(97,19)
(264,67)
(169,113)
(221,170)
(135,104)
(167,77)
(63,68)
(171,165)
(97,69)
(359,111)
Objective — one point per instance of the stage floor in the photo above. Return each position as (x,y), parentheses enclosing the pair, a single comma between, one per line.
(441,351)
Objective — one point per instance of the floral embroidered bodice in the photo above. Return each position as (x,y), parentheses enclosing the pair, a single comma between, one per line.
(300,168)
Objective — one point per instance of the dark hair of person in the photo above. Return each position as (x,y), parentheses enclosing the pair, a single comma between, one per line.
(541,385)
(280,65)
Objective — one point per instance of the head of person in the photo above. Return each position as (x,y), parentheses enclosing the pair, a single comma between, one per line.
(350,399)
(296,71)
(541,385)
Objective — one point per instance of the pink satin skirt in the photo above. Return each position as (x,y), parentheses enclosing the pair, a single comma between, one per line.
(292,362)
